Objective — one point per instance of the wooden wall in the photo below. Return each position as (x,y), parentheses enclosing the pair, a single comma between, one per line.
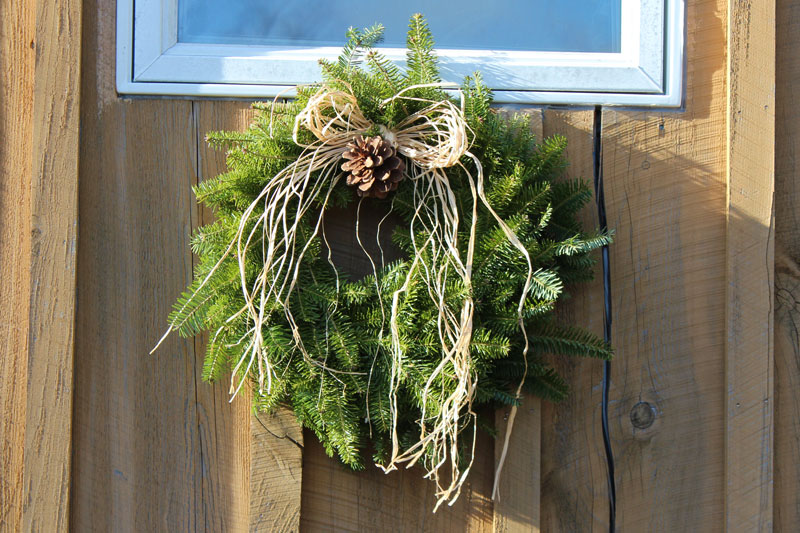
(689,193)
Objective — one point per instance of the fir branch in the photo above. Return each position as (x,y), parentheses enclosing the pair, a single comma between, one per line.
(336,376)
(421,58)
(358,42)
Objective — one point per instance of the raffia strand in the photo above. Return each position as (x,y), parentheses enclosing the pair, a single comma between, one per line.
(432,140)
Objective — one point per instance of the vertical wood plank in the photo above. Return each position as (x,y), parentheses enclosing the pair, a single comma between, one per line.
(270,446)
(54,217)
(666,194)
(276,467)
(749,268)
(786,506)
(665,186)
(573,466)
(17,57)
(155,448)
(516,509)
(138,463)
(226,436)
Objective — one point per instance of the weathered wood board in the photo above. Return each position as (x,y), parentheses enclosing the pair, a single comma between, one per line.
(573,493)
(786,509)
(338,500)
(749,269)
(17,56)
(54,149)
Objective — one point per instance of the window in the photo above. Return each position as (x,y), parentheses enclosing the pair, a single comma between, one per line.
(623,52)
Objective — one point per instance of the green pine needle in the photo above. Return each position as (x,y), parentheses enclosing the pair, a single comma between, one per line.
(338,383)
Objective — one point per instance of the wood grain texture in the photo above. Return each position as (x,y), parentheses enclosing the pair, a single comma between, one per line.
(573,493)
(154,448)
(749,266)
(516,510)
(666,195)
(665,185)
(54,220)
(276,468)
(340,500)
(786,503)
(138,463)
(17,57)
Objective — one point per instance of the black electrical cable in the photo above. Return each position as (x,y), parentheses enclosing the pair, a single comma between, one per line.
(601,215)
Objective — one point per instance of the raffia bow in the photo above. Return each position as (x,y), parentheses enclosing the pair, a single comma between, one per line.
(432,140)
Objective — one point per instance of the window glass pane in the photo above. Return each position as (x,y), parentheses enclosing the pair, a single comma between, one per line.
(537,25)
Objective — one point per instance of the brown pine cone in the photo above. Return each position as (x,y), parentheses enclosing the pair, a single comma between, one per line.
(373,165)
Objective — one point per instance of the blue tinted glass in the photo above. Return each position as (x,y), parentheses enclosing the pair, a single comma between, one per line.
(540,25)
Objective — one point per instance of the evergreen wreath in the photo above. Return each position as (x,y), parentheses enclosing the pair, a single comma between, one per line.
(399,360)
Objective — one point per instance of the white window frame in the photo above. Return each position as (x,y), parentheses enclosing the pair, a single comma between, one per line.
(647,71)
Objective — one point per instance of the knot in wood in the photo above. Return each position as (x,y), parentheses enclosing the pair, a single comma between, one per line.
(643,414)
